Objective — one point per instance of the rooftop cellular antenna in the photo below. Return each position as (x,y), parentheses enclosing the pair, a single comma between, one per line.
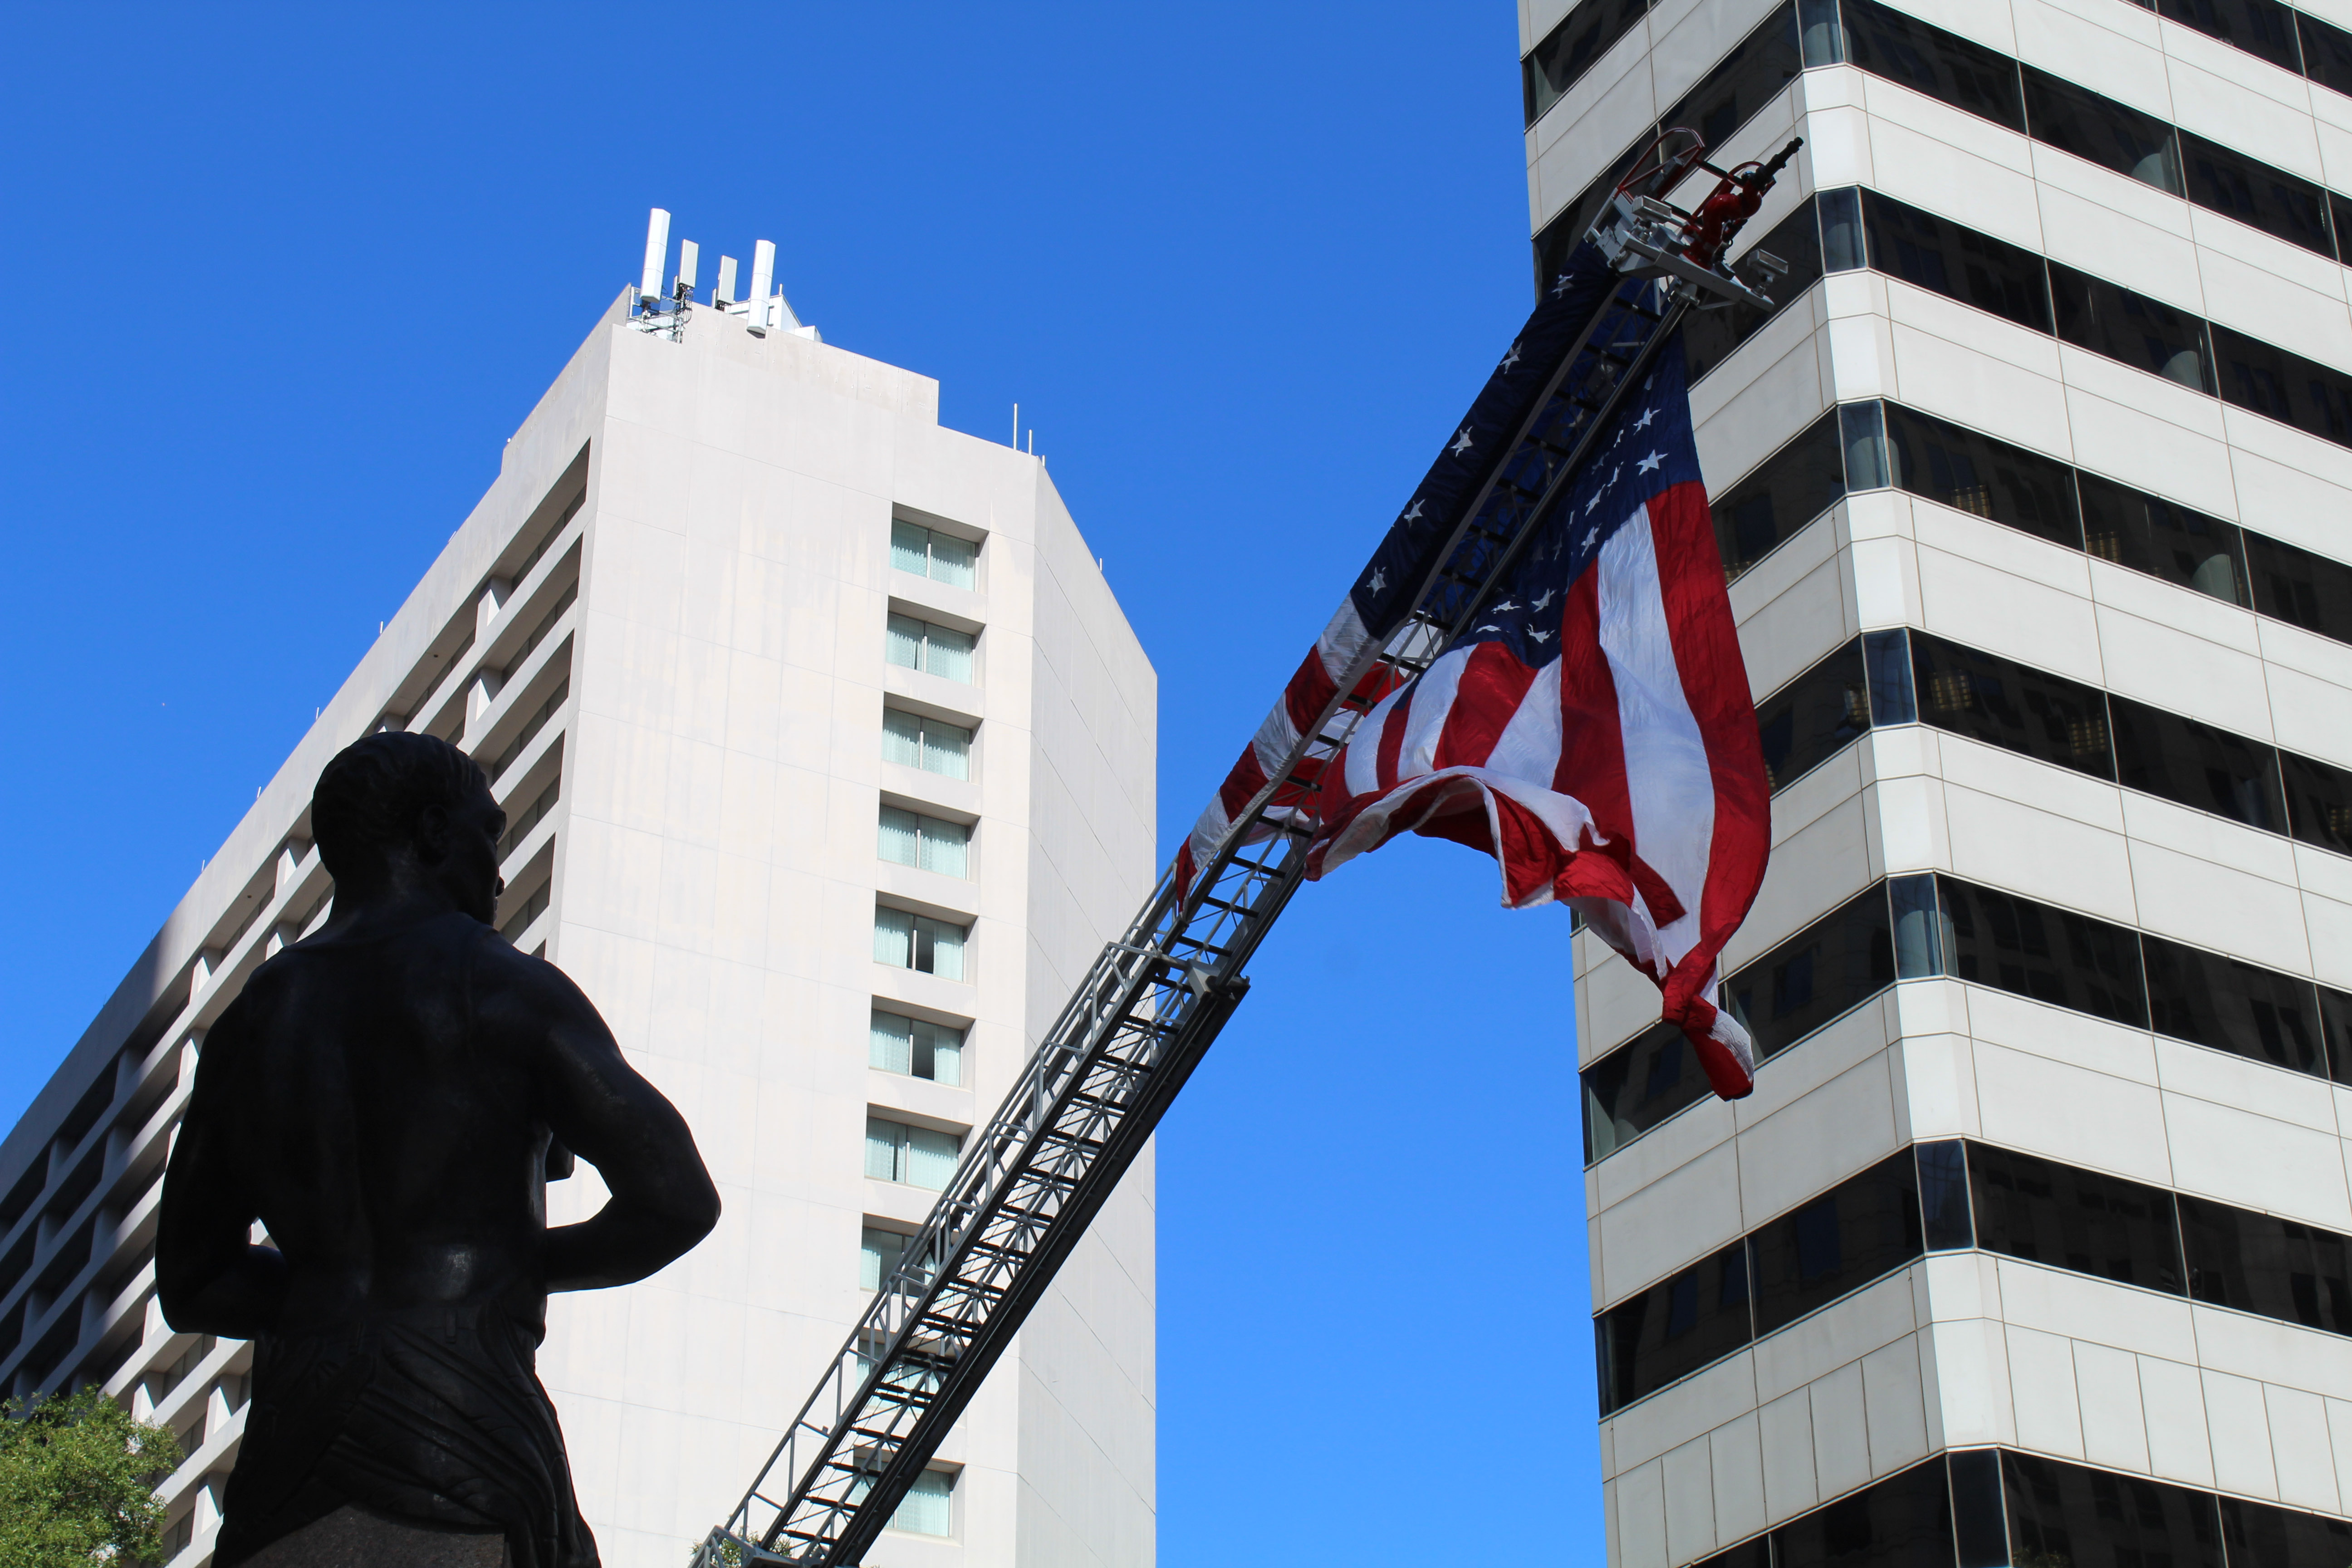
(689,254)
(764,273)
(657,252)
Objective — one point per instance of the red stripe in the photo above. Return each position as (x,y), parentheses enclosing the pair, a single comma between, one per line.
(1311,686)
(1492,684)
(1246,779)
(1591,746)
(1392,740)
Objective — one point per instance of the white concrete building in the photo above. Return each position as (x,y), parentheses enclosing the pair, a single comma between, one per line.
(829,760)
(2036,494)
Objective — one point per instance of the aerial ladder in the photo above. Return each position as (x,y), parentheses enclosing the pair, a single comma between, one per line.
(1105,1073)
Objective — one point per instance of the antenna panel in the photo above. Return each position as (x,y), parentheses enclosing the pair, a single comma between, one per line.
(657,252)
(725,294)
(686,256)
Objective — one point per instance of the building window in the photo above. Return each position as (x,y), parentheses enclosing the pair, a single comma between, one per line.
(918,1156)
(2093,1224)
(1849,1235)
(532,907)
(933,745)
(532,816)
(1780,496)
(926,842)
(879,1251)
(917,1048)
(917,941)
(928,553)
(929,1506)
(933,650)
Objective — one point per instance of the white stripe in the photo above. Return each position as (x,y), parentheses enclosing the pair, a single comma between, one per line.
(1341,640)
(1363,754)
(1433,704)
(1412,803)
(1274,740)
(1528,747)
(1666,774)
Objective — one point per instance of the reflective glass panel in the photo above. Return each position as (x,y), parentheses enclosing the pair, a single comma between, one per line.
(2005,703)
(1904,1521)
(2068,1218)
(1673,1328)
(1637,1086)
(1709,335)
(1569,50)
(2261,1536)
(2285,206)
(1944,1195)
(2260,1263)
(2064,1513)
(1779,496)
(2197,765)
(1978,473)
(2078,120)
(2162,538)
(1980,1529)
(2144,333)
(2318,802)
(1813,716)
(1742,82)
(2327,52)
(2056,956)
(2234,1006)
(2262,27)
(2299,587)
(2287,387)
(1835,964)
(1956,262)
(1927,60)
(1839,1242)
(2335,1024)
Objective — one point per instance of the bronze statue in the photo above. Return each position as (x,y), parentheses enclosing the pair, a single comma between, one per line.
(387,1097)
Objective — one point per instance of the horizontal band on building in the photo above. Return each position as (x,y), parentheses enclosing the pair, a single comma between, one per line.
(1991,86)
(1954,1195)
(1933,926)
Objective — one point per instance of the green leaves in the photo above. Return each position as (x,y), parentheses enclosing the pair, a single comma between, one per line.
(75,1475)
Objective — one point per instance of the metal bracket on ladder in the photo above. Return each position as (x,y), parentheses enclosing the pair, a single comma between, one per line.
(1644,236)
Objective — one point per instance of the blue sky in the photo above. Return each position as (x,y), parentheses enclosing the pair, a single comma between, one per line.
(285,281)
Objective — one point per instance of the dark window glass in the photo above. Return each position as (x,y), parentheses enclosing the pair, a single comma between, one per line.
(2144,333)
(2318,802)
(2299,587)
(1813,716)
(2233,1006)
(1673,1328)
(1838,962)
(1919,923)
(2327,53)
(1980,1526)
(2339,217)
(1839,1242)
(2005,703)
(1863,428)
(2261,1536)
(2061,1513)
(2197,765)
(1929,59)
(2056,956)
(1632,1089)
(1904,1521)
(1978,473)
(1888,654)
(1842,248)
(1782,495)
(1944,1195)
(2287,387)
(2262,28)
(1582,37)
(2260,1263)
(2164,539)
(2251,191)
(2335,1022)
(1754,1553)
(1742,82)
(1710,336)
(1956,262)
(2078,120)
(2092,1223)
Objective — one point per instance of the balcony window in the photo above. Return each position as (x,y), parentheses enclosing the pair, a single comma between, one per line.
(933,650)
(918,1156)
(917,1048)
(933,745)
(926,842)
(905,940)
(928,1508)
(879,1252)
(928,553)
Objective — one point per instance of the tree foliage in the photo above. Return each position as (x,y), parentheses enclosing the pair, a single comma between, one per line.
(75,1482)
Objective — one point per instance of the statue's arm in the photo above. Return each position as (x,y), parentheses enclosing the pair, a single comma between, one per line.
(662,1200)
(209,1274)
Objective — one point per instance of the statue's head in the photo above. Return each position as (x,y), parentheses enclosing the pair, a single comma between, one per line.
(398,809)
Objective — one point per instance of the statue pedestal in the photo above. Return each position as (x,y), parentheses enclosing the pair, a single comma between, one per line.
(348,1538)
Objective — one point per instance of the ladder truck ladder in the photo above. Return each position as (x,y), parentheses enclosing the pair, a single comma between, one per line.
(1032,1179)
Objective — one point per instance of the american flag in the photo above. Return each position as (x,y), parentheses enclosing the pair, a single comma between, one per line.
(1592,730)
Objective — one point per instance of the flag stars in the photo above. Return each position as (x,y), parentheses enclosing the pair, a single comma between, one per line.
(1461,442)
(1412,515)
(1538,636)
(1510,360)
(1590,536)
(1643,422)
(1545,603)
(1652,461)
(1378,580)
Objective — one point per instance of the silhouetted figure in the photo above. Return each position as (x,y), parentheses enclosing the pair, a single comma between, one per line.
(381,1098)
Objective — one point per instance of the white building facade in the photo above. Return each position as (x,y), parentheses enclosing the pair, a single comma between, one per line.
(2035,493)
(828,756)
